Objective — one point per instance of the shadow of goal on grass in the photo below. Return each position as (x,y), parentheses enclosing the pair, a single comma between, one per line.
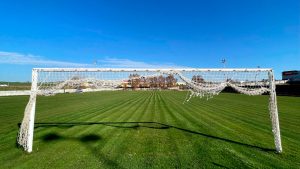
(148,124)
(86,139)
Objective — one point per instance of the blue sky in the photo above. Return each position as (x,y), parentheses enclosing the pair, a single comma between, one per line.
(148,33)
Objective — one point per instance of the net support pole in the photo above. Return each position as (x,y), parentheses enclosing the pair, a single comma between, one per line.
(274,112)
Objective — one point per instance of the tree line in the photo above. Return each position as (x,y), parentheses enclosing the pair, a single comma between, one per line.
(163,82)
(137,81)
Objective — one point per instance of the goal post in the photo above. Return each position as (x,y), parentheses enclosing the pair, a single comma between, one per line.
(203,83)
(25,135)
(274,112)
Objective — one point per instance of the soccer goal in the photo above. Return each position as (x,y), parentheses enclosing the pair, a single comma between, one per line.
(203,83)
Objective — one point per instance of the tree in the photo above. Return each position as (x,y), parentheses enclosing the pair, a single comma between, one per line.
(171,81)
(135,80)
(161,81)
(197,79)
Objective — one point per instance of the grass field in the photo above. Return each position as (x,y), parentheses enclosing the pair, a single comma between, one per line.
(15,86)
(151,129)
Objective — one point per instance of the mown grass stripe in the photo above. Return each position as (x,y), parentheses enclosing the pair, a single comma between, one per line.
(230,131)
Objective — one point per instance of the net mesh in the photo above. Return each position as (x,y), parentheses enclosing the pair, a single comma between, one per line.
(200,83)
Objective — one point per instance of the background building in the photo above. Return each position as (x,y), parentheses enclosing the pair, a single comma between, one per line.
(291,76)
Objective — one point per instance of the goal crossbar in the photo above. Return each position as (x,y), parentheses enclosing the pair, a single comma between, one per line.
(149,70)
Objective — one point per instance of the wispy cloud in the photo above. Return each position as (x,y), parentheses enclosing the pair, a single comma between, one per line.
(28,59)
(108,62)
(126,63)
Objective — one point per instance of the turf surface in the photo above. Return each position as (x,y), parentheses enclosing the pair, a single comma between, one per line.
(151,129)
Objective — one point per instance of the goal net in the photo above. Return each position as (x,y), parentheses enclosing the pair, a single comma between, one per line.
(203,83)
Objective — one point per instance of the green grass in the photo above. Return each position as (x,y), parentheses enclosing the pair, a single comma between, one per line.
(151,129)
(15,86)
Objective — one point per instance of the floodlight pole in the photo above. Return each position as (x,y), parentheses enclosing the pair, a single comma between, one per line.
(274,112)
(224,62)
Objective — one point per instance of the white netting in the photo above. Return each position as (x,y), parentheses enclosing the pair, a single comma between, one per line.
(24,128)
(210,83)
(200,82)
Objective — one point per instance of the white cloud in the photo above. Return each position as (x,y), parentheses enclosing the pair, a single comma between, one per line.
(28,59)
(126,63)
